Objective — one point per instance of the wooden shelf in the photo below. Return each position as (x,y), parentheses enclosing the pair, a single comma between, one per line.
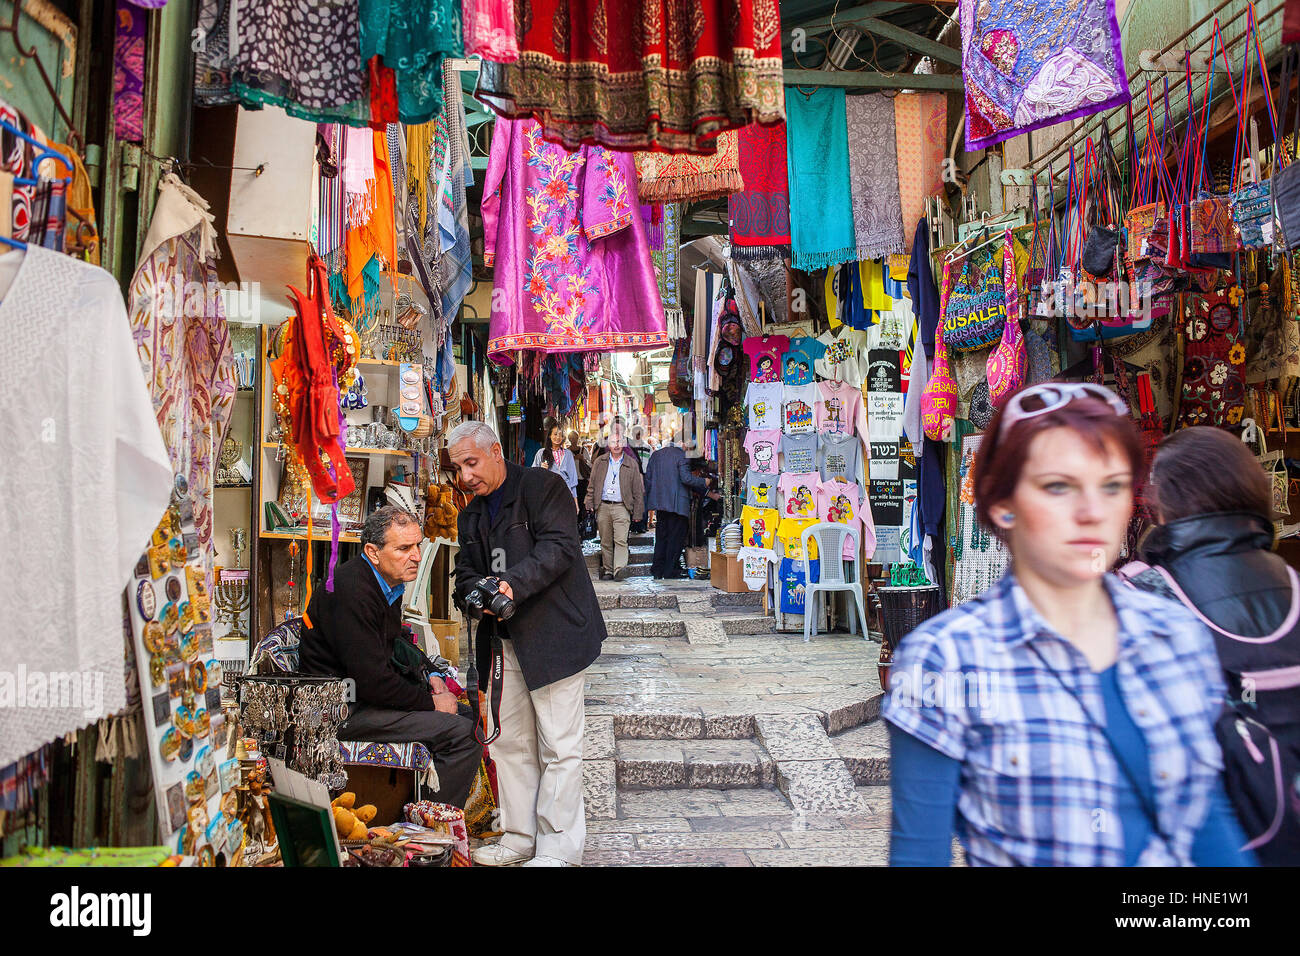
(242,486)
(387,363)
(397,452)
(350,538)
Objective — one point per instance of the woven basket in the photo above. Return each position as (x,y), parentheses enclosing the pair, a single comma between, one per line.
(903,610)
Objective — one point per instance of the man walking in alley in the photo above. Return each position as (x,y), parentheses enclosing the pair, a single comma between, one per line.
(616,493)
(668,483)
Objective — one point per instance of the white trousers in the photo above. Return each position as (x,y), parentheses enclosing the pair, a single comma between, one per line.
(539,764)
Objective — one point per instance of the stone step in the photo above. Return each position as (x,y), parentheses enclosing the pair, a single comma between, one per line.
(611,602)
(865,751)
(632,622)
(693,764)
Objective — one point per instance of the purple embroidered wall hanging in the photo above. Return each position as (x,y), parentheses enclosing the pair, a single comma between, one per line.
(1034,63)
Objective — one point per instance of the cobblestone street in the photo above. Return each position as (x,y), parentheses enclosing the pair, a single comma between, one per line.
(712,740)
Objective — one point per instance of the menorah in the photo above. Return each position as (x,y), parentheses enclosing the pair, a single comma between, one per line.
(233,596)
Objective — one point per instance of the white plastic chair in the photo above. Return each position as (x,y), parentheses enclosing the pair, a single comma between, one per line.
(830,537)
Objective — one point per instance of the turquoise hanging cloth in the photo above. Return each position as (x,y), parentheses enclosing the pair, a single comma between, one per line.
(821,208)
(413,38)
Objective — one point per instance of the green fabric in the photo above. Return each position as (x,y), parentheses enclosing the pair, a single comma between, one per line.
(413,37)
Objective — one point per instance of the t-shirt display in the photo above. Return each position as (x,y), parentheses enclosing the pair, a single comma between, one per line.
(800,359)
(763,446)
(839,360)
(799,494)
(839,409)
(765,352)
(789,534)
(760,489)
(841,502)
(793,587)
(799,416)
(763,405)
(758,526)
(840,456)
(754,563)
(799,452)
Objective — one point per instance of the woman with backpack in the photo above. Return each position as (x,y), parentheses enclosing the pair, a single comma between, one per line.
(1060,718)
(1212,551)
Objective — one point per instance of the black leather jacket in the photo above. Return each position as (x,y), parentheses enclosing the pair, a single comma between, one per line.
(1225,564)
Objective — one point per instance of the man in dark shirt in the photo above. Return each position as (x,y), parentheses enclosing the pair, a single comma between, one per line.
(352,632)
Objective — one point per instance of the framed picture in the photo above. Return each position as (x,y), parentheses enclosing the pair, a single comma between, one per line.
(351,507)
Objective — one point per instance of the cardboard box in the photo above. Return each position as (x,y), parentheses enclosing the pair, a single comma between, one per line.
(448,635)
(725,573)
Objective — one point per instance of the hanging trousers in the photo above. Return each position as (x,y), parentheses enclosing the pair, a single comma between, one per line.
(539,764)
(670,541)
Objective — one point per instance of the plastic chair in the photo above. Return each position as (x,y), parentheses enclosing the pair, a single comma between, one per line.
(830,537)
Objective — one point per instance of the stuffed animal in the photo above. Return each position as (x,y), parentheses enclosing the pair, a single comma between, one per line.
(350,822)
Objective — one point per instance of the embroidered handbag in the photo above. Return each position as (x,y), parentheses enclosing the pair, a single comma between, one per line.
(1211,238)
(1214,387)
(1286,178)
(977,309)
(1008,363)
(939,399)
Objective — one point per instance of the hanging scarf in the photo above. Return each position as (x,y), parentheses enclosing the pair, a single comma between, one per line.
(1026,66)
(921,126)
(766,266)
(413,38)
(358,170)
(329,215)
(128,73)
(455,265)
(681,177)
(372,244)
(641,76)
(490,30)
(419,155)
(760,213)
(873,176)
(821,210)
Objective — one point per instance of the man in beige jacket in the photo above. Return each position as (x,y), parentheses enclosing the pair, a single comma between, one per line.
(616,492)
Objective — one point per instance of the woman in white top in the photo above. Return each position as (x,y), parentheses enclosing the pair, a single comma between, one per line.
(555,457)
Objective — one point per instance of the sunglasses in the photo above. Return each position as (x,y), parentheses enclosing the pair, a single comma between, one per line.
(1049,396)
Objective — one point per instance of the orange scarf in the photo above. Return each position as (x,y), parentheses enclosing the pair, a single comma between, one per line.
(377,238)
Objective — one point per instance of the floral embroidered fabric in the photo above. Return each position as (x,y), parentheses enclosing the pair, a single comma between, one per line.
(1030,65)
(1214,385)
(641,74)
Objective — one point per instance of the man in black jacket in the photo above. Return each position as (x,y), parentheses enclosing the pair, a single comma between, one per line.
(352,632)
(521,528)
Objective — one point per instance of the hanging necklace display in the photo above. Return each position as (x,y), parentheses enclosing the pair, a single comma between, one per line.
(291,604)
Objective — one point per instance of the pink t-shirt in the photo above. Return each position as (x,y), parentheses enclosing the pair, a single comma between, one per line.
(840,410)
(841,502)
(799,494)
(762,447)
(765,353)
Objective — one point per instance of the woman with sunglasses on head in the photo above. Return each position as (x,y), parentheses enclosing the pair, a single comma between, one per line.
(1212,550)
(1061,718)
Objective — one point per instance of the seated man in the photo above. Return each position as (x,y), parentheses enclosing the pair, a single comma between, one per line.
(352,633)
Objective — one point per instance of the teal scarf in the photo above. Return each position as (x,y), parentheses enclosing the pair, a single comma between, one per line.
(821,209)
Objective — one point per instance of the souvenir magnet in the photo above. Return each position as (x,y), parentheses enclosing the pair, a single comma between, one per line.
(193,786)
(181,485)
(177,553)
(170,617)
(158,563)
(191,543)
(146,600)
(198,677)
(173,588)
(175,679)
(201,723)
(189,646)
(170,744)
(154,637)
(176,806)
(142,566)
(184,721)
(162,709)
(187,750)
(186,611)
(157,670)
(212,697)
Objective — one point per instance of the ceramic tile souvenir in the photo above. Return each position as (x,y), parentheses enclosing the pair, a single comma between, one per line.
(170,745)
(175,679)
(176,806)
(162,709)
(158,562)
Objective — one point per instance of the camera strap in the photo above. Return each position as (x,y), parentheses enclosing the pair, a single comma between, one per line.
(495,681)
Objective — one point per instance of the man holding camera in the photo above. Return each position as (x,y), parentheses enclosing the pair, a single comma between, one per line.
(355,632)
(520,566)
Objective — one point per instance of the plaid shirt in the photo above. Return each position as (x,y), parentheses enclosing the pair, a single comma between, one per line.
(1039,780)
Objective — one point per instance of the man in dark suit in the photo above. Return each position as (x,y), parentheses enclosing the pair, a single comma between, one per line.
(353,632)
(521,528)
(668,485)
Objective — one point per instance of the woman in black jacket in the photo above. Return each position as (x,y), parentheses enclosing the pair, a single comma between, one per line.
(1212,550)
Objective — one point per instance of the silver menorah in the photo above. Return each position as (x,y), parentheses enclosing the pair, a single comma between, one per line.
(233,596)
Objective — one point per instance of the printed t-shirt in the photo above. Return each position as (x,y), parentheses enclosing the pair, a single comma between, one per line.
(840,456)
(840,356)
(793,587)
(753,566)
(762,448)
(758,526)
(788,534)
(765,353)
(760,489)
(763,405)
(799,415)
(839,409)
(799,495)
(800,360)
(840,502)
(799,452)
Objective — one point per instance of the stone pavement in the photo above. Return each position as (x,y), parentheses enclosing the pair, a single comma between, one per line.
(712,740)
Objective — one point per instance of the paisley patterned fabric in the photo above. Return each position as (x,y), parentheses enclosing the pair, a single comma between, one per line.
(641,74)
(760,213)
(1030,65)
(413,38)
(873,176)
(128,73)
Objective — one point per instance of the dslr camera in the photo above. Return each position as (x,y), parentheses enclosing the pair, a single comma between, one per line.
(484,596)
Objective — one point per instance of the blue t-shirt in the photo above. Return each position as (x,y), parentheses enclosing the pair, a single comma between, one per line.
(797,363)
